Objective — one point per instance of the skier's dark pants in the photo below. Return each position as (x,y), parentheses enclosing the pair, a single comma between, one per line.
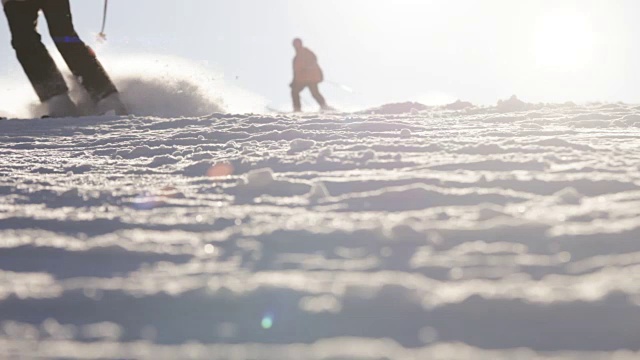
(313,87)
(35,59)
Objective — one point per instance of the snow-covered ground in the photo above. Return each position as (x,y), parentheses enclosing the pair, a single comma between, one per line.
(480,233)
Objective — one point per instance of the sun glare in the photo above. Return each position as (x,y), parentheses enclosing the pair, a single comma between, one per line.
(564,40)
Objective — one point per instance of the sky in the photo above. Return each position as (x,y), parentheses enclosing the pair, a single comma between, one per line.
(433,51)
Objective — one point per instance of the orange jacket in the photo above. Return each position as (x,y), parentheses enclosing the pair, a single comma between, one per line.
(306,69)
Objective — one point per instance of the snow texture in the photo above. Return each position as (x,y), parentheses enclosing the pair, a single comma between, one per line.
(477,233)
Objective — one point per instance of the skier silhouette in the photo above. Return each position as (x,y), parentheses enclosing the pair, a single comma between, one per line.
(40,68)
(306,73)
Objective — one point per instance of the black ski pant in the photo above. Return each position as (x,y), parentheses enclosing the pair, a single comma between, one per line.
(36,61)
(296,89)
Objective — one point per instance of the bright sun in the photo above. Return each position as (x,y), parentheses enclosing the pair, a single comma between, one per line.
(564,40)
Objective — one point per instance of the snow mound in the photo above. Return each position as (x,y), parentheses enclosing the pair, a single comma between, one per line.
(458,105)
(397,108)
(568,196)
(513,104)
(318,192)
(300,145)
(258,179)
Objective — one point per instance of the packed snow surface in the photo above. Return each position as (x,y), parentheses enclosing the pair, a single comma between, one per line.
(478,233)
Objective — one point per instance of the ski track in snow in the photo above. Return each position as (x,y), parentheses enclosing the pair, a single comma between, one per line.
(430,235)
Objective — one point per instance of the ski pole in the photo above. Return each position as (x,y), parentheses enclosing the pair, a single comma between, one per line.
(102,35)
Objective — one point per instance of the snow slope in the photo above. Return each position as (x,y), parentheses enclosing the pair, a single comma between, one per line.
(473,234)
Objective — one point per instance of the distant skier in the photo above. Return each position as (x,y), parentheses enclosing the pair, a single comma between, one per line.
(40,68)
(306,73)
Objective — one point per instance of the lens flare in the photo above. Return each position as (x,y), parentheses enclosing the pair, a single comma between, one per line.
(220,170)
(267,321)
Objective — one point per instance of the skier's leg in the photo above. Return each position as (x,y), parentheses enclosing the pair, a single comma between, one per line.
(316,95)
(80,58)
(36,61)
(295,95)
